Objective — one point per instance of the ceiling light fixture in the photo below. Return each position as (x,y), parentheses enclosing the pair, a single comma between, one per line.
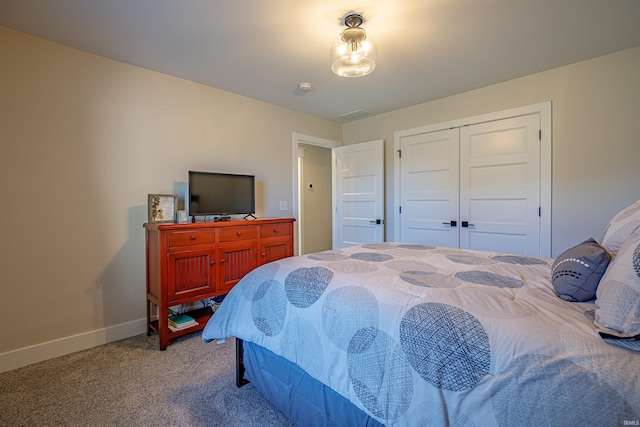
(353,53)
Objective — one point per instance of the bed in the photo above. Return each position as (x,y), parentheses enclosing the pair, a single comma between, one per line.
(403,334)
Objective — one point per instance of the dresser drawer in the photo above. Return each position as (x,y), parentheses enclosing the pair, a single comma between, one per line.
(232,234)
(191,238)
(275,230)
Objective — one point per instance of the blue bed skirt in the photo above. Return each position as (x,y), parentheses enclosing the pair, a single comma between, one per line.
(306,401)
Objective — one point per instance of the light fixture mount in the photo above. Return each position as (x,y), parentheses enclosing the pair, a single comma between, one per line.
(353,20)
(353,53)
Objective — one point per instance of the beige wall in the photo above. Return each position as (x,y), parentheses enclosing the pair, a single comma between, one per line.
(596,142)
(316,201)
(84,140)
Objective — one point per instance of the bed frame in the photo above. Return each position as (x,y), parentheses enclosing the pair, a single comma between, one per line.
(240,379)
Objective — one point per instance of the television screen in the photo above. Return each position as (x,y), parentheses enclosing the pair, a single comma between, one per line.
(221,194)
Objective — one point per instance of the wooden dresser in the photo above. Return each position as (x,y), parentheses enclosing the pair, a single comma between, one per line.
(192,262)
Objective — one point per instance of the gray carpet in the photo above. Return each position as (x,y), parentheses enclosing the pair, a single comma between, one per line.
(132,383)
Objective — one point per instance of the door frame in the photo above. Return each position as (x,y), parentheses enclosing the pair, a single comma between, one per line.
(544,109)
(299,138)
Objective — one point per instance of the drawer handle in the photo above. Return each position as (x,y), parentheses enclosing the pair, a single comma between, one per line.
(213,262)
(192,237)
(222,261)
(239,234)
(275,230)
(264,255)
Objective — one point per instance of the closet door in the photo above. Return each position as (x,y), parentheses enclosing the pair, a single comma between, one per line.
(429,188)
(500,185)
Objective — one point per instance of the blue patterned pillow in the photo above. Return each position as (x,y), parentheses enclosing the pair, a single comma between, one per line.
(576,273)
(618,296)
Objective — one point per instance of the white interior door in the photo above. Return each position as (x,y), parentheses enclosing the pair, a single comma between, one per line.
(500,185)
(429,183)
(359,194)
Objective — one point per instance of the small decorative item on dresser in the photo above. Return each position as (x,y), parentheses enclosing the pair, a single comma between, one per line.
(183,217)
(162,207)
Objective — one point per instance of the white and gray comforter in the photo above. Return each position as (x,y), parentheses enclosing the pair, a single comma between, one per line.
(422,335)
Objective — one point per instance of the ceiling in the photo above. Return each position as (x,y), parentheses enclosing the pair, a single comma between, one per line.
(427,49)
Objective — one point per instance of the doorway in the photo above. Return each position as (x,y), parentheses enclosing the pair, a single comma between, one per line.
(355,207)
(320,148)
(314,198)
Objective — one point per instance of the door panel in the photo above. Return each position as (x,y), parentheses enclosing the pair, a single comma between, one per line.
(500,185)
(429,188)
(359,195)
(190,273)
(237,259)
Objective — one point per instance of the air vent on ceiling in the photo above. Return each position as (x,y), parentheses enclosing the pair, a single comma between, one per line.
(354,114)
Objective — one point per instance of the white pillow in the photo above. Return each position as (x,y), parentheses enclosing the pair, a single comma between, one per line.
(618,294)
(620,227)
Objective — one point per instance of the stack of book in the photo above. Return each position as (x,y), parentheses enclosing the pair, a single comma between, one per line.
(181,321)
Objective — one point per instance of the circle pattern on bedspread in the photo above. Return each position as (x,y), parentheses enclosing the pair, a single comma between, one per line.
(306,356)
(379,373)
(416,247)
(327,256)
(305,285)
(489,279)
(590,315)
(379,246)
(269,308)
(371,256)
(522,260)
(471,260)
(352,267)
(446,345)
(565,385)
(254,278)
(429,280)
(346,311)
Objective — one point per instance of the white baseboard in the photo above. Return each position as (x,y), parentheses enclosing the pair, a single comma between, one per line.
(48,350)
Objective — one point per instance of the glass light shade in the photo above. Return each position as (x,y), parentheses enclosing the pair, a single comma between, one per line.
(353,53)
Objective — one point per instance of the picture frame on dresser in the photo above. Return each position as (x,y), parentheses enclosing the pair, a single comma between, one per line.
(182,217)
(161,208)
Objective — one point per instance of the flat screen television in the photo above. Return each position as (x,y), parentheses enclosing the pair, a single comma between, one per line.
(221,194)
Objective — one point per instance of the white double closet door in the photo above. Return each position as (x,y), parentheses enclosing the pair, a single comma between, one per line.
(474,187)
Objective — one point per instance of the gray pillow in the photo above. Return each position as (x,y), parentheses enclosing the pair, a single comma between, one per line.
(575,274)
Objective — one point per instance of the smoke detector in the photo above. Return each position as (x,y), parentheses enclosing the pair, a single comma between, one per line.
(304,87)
